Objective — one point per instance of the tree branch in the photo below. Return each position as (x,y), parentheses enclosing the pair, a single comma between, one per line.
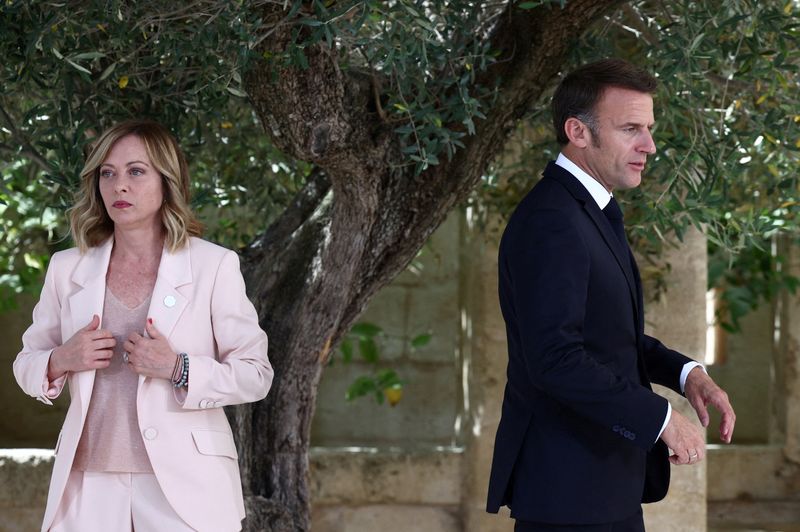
(27,149)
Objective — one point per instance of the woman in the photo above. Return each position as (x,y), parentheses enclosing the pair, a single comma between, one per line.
(153,331)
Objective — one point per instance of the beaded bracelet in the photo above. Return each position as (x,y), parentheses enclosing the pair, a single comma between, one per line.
(183,379)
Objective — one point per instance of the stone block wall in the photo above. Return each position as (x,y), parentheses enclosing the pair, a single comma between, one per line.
(423,299)
(423,465)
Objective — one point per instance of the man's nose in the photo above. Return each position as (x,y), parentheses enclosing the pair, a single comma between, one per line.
(648,144)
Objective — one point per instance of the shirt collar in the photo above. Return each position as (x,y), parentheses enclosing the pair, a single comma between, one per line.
(601,196)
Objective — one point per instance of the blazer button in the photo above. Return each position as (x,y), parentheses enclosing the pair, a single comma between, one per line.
(203,403)
(150,433)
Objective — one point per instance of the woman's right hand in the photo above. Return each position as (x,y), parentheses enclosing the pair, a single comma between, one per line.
(89,348)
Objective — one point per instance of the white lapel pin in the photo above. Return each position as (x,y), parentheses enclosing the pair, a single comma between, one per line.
(169,301)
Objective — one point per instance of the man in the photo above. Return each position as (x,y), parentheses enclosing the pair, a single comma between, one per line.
(583,440)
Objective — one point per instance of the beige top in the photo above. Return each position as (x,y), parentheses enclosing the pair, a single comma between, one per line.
(111,441)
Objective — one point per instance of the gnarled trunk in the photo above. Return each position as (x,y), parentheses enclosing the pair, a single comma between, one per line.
(360,219)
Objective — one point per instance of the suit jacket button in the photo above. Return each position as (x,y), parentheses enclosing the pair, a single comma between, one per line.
(615,428)
(150,433)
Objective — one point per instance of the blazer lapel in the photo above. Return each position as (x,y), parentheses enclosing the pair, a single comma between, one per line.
(621,254)
(167,303)
(90,274)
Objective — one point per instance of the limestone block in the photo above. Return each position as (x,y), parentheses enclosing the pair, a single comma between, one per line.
(678,319)
(24,421)
(439,258)
(746,375)
(435,310)
(385,519)
(477,520)
(354,478)
(426,415)
(24,481)
(747,472)
(389,310)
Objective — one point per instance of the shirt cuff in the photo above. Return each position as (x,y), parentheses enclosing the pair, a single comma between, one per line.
(666,419)
(689,366)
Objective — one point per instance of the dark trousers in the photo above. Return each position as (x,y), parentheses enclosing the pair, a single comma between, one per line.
(634,523)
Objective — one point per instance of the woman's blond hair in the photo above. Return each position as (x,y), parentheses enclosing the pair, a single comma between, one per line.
(88,219)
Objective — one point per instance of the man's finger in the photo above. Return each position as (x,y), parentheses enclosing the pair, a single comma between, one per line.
(726,426)
(702,411)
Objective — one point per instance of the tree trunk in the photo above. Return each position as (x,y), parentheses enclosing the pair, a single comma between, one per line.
(360,219)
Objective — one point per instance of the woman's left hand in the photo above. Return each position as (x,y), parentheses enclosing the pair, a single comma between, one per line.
(151,357)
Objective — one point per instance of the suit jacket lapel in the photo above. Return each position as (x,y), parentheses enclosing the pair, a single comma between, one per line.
(167,303)
(90,274)
(621,254)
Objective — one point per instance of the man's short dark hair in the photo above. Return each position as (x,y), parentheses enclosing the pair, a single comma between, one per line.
(578,93)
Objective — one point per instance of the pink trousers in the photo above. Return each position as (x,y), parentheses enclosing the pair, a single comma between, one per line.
(119,502)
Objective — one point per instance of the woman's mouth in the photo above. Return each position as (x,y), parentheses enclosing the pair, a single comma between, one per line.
(120,204)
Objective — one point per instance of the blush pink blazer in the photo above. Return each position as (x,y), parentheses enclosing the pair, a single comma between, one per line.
(199,304)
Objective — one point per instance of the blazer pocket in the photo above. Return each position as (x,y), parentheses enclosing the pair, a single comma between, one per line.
(215,443)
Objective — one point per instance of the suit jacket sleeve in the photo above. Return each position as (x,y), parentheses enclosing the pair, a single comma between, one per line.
(550,269)
(38,342)
(664,365)
(241,371)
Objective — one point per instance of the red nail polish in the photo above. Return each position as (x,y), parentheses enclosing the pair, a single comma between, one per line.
(150,321)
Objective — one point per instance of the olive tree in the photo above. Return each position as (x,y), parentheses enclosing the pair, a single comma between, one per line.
(328,139)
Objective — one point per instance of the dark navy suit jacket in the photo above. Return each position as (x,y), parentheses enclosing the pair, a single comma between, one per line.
(576,442)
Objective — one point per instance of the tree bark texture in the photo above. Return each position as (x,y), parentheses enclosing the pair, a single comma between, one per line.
(360,219)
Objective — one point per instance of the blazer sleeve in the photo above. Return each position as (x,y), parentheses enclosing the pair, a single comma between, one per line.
(549,267)
(664,365)
(38,342)
(241,372)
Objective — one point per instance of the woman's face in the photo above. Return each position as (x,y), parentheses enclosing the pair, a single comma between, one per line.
(131,187)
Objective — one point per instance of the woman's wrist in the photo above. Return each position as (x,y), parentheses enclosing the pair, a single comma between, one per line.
(54,371)
(180,373)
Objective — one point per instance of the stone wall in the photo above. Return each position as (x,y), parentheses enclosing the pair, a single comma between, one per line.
(423,299)
(423,465)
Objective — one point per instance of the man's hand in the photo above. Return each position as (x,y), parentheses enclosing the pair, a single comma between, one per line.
(685,439)
(700,390)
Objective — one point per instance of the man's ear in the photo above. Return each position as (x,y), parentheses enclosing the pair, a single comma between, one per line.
(577,132)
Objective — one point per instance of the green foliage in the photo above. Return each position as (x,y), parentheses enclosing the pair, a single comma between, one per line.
(754,276)
(381,382)
(423,58)
(69,73)
(728,131)
(727,108)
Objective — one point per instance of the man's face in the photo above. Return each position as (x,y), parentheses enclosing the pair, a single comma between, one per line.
(616,154)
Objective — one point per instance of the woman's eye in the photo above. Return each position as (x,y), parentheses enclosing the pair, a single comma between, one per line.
(106,173)
(137,171)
